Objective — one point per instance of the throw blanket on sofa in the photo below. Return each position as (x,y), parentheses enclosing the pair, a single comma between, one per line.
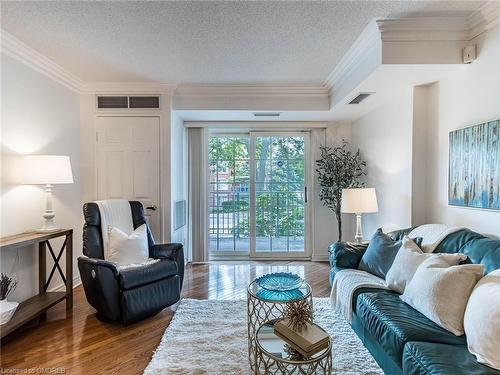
(346,283)
(432,235)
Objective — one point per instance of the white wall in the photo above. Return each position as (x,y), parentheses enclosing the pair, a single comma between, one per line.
(462,99)
(384,137)
(405,143)
(38,116)
(179,173)
(324,229)
(422,100)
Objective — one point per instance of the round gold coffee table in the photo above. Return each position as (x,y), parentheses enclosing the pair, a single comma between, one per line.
(264,306)
(274,356)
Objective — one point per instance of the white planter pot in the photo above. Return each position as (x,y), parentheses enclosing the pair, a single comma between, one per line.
(7,310)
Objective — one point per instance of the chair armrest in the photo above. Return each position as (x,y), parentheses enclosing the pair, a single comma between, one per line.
(346,254)
(166,250)
(100,263)
(172,251)
(101,286)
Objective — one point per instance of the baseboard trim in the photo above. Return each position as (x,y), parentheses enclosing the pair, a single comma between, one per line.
(61,287)
(320,258)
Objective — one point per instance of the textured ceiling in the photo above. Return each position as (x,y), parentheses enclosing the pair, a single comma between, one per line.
(203,42)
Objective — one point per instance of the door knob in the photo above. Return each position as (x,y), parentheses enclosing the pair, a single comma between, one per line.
(152,208)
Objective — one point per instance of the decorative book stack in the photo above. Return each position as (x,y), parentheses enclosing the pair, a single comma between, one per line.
(308,340)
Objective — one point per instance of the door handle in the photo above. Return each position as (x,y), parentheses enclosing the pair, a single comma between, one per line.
(152,208)
(305,194)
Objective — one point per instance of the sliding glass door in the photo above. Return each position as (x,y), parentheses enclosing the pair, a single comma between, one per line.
(228,197)
(258,195)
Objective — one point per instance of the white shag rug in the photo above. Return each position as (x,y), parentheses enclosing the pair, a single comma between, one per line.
(210,337)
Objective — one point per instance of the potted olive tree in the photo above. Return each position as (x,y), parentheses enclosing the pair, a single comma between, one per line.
(7,309)
(339,168)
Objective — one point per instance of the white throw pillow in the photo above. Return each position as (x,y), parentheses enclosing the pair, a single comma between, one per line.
(440,291)
(482,320)
(125,250)
(408,259)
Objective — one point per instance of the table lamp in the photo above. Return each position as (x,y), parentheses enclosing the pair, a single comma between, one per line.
(359,201)
(47,170)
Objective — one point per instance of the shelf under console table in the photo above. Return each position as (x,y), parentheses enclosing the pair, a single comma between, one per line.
(37,305)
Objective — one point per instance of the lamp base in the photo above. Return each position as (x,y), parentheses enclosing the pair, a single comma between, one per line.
(49,225)
(359,229)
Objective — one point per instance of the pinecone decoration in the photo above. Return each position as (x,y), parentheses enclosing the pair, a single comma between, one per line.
(298,313)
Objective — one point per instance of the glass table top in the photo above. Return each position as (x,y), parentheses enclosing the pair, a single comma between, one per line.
(278,348)
(263,294)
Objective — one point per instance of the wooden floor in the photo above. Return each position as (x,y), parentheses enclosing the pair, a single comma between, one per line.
(81,344)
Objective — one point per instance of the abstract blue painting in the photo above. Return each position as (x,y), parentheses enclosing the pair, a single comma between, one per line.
(474,166)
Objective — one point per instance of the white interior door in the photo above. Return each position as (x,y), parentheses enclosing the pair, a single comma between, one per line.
(128,163)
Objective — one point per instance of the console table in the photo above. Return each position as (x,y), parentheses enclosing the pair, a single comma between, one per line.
(37,305)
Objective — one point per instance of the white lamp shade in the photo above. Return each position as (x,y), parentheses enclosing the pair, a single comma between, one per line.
(46,169)
(358,201)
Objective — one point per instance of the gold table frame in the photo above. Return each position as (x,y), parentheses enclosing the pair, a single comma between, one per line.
(273,365)
(260,311)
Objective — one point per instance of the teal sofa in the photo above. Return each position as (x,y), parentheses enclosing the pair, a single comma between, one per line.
(402,340)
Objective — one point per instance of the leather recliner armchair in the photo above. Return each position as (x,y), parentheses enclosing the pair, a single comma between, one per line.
(130,294)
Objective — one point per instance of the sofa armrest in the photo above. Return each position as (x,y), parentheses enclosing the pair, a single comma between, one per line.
(172,251)
(346,254)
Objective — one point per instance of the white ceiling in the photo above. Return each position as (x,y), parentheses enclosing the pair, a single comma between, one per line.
(204,42)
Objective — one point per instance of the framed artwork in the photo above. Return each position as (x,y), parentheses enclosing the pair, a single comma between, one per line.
(474,166)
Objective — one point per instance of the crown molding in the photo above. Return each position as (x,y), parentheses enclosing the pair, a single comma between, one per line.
(128,87)
(23,53)
(441,28)
(249,90)
(484,18)
(424,29)
(367,42)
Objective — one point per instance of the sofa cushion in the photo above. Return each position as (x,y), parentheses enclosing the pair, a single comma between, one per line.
(421,358)
(394,323)
(137,276)
(479,249)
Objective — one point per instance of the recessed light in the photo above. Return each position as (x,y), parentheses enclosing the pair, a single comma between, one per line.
(266,114)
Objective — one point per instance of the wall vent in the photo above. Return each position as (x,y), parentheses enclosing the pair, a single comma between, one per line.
(361,96)
(144,101)
(112,102)
(129,102)
(179,214)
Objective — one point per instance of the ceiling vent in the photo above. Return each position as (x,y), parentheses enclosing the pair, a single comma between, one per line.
(128,102)
(361,96)
(267,114)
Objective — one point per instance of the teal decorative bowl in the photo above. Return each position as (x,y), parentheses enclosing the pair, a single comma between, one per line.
(285,295)
(280,281)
